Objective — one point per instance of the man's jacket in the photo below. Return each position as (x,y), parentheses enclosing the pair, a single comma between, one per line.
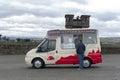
(80,48)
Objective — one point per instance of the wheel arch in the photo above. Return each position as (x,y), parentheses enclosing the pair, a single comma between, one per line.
(37,58)
(89,59)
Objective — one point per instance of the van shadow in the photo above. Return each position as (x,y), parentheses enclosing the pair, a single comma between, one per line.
(65,67)
(60,67)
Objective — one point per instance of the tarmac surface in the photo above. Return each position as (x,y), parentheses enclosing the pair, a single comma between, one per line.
(13,67)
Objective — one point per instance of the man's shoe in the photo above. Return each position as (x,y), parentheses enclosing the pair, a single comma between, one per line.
(78,69)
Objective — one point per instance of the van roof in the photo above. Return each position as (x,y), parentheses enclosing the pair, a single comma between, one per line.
(58,32)
(73,29)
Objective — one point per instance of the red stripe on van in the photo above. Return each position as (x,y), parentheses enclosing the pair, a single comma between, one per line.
(68,60)
(95,56)
(50,58)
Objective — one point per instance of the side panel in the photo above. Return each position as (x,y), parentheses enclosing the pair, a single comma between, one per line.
(95,57)
(69,56)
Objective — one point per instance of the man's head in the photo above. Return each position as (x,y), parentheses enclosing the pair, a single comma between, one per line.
(80,41)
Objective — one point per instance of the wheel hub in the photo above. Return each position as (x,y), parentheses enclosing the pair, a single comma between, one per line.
(86,63)
(37,64)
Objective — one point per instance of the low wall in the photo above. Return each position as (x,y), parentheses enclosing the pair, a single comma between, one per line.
(109,50)
(20,48)
(16,48)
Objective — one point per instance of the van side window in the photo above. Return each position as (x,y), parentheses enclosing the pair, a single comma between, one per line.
(67,41)
(48,45)
(51,45)
(90,38)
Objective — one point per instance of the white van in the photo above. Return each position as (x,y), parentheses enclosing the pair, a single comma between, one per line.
(59,48)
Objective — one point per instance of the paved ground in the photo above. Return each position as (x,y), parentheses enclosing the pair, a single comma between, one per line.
(13,68)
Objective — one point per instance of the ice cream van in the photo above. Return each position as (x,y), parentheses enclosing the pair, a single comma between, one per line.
(59,48)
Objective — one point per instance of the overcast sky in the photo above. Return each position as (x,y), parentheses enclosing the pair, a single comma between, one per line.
(32,18)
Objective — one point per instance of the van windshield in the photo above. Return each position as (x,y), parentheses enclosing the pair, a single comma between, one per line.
(47,45)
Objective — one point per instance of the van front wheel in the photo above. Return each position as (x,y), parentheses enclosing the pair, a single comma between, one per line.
(87,63)
(38,63)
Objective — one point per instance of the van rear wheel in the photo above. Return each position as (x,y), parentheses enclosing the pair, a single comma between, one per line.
(87,63)
(38,63)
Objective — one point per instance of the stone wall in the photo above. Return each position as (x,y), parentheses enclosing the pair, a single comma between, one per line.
(20,48)
(16,48)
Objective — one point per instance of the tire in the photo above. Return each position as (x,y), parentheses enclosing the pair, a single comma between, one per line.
(87,63)
(38,63)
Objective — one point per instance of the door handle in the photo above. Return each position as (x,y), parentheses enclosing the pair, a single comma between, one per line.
(56,51)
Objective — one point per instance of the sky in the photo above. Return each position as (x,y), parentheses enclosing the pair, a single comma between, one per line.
(33,18)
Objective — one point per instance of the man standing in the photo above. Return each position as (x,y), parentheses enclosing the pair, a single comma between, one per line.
(80,49)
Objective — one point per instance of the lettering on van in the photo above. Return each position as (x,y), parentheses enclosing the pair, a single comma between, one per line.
(59,32)
(77,31)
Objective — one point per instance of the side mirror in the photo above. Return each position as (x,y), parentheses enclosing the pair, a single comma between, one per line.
(38,49)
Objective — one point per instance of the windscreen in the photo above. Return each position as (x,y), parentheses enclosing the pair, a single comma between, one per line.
(47,45)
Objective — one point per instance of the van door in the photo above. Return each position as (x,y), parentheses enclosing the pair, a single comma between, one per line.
(51,55)
(48,51)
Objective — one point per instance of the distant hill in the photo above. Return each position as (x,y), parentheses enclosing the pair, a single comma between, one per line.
(110,40)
